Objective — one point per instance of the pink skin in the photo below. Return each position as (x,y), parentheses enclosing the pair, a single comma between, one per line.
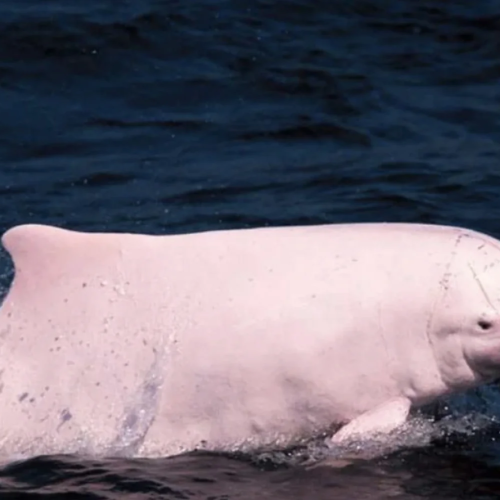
(154,345)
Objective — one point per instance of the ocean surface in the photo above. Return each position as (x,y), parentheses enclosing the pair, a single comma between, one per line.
(178,116)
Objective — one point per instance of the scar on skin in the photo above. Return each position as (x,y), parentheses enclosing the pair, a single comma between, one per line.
(444,282)
(478,281)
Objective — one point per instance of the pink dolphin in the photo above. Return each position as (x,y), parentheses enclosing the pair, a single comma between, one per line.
(155,345)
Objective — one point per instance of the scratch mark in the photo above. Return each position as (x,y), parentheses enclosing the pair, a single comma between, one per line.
(478,281)
(444,282)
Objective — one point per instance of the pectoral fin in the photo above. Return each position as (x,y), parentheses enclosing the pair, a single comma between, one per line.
(381,420)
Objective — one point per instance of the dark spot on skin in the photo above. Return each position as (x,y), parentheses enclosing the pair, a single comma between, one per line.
(66,415)
(32,400)
(56,339)
(84,285)
(22,397)
(131,420)
(484,324)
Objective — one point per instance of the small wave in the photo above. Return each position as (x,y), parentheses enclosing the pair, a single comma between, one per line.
(312,131)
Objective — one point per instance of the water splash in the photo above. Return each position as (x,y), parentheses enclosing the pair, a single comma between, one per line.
(421,431)
(140,413)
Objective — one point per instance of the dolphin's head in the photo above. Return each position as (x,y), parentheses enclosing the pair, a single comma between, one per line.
(465,329)
(481,346)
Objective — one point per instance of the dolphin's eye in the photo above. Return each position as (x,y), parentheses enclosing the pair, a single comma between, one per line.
(485,324)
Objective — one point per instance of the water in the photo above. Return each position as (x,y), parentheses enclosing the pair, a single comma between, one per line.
(170,117)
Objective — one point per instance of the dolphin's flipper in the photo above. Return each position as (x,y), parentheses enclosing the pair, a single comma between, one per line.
(381,420)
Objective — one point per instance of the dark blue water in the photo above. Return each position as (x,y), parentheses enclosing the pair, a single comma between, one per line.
(178,116)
